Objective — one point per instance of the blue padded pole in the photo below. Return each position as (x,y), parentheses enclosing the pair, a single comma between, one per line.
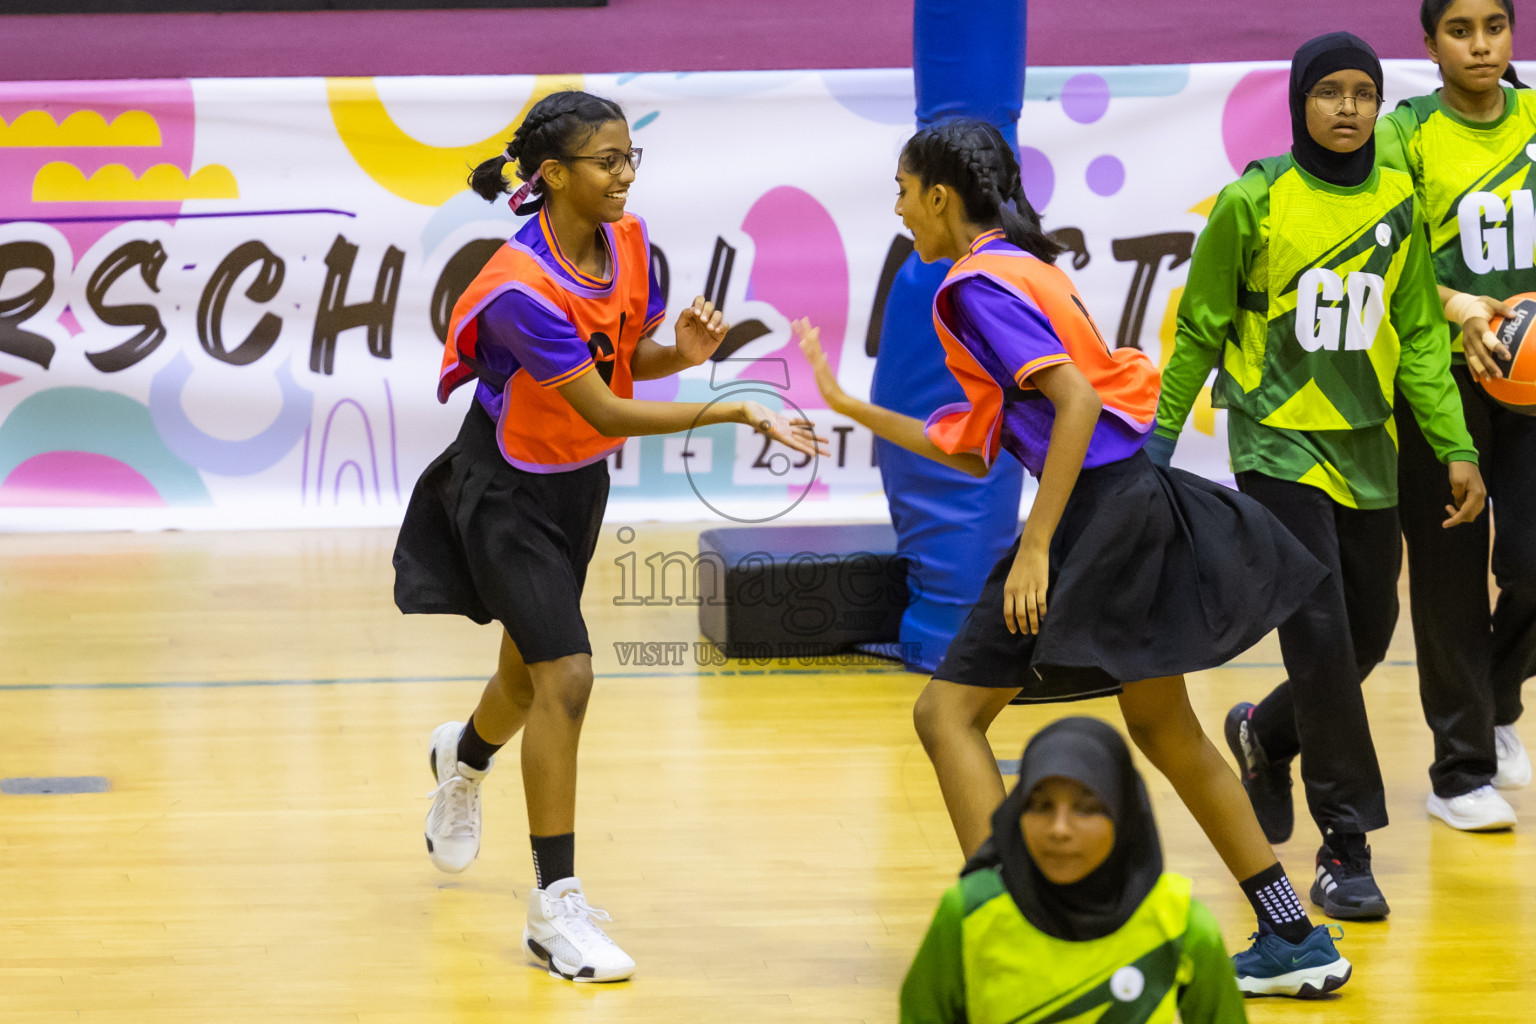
(968,59)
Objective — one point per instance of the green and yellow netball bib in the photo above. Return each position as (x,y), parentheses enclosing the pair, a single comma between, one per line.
(1475,190)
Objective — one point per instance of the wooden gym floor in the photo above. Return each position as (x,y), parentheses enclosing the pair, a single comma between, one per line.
(770,841)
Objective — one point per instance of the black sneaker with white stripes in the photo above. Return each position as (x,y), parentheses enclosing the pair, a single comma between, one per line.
(1345,887)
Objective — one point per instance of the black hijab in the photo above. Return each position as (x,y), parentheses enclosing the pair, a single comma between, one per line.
(1316,60)
(1090,752)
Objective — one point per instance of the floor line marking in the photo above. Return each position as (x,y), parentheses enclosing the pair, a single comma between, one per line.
(225,684)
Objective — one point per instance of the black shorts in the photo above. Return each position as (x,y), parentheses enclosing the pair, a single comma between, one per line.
(486,540)
(1153,573)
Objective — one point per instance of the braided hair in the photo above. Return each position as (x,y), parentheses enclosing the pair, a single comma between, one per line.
(971,157)
(1431,11)
(557,124)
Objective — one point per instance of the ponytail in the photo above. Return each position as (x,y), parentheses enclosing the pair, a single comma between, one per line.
(971,157)
(557,124)
(1021,226)
(488,179)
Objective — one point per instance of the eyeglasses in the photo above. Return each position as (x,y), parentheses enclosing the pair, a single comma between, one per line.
(1331,100)
(613,161)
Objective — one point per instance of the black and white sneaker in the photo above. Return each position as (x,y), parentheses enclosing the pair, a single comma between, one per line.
(1267,784)
(453,823)
(563,936)
(1345,887)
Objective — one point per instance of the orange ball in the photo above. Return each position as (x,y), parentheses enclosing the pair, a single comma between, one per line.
(1516,390)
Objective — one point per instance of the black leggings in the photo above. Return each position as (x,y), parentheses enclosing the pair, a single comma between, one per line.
(1329,646)
(1471,663)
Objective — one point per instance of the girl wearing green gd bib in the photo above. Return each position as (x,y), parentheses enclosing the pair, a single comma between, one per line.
(1469,147)
(1311,286)
(1065,911)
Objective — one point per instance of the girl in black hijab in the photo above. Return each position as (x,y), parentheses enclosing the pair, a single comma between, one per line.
(1312,289)
(1066,910)
(1314,61)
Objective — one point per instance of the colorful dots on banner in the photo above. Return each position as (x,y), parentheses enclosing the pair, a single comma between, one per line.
(647,119)
(37,129)
(1106,175)
(1085,97)
(1256,121)
(60,182)
(1038,175)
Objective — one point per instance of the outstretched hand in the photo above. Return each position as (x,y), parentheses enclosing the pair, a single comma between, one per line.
(810,346)
(799,434)
(700,329)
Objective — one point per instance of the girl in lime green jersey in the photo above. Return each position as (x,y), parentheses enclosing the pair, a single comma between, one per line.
(1469,148)
(1311,289)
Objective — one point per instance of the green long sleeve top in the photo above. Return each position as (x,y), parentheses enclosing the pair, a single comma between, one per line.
(1316,301)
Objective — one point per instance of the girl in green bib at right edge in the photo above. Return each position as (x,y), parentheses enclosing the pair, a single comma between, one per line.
(1469,147)
(1311,288)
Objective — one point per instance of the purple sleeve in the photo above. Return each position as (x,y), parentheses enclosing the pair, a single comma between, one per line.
(1005,330)
(537,335)
(655,304)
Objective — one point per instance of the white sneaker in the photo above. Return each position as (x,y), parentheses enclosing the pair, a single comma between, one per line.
(453,823)
(1514,762)
(561,935)
(1481,810)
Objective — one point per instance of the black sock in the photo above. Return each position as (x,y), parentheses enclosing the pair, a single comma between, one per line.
(473,750)
(1348,847)
(1277,904)
(554,858)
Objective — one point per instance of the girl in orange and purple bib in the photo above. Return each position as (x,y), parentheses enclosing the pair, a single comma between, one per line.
(555,331)
(1147,573)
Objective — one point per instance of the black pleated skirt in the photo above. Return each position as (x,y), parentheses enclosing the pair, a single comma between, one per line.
(486,540)
(1153,573)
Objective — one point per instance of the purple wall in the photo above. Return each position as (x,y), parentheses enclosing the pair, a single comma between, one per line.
(665,35)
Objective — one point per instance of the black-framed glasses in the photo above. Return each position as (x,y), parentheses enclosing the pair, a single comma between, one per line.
(1331,99)
(613,161)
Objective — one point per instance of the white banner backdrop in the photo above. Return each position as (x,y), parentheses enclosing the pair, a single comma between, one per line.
(222,301)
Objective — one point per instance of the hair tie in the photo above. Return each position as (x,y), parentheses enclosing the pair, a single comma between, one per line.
(506,155)
(521,195)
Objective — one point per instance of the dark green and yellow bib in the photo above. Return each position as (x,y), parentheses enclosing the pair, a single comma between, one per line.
(1317,350)
(1128,977)
(1310,378)
(1474,183)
